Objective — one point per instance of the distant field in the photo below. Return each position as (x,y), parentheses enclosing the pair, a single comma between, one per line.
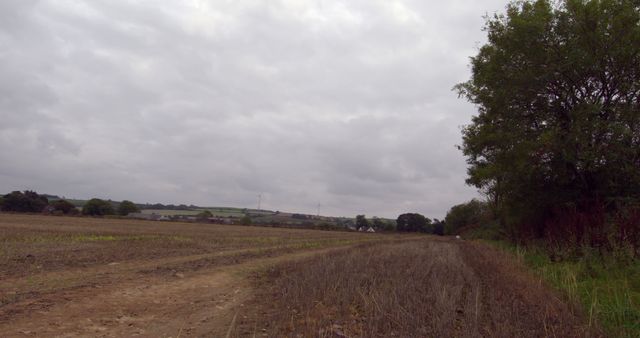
(218,212)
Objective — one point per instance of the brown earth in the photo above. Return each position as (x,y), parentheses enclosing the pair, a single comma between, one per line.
(82,277)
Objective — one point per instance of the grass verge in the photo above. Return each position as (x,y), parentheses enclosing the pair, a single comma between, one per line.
(607,288)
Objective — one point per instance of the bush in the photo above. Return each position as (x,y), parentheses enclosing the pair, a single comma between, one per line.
(97,207)
(579,228)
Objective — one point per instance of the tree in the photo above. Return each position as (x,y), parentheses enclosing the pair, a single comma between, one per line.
(557,88)
(64,207)
(412,222)
(246,220)
(127,207)
(97,207)
(465,214)
(27,201)
(362,222)
(438,227)
(206,214)
(378,223)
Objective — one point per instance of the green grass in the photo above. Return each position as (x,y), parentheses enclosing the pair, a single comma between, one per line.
(168,212)
(608,288)
(217,212)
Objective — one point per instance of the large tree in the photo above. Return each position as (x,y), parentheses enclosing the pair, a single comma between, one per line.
(412,222)
(97,207)
(126,207)
(64,206)
(557,87)
(362,222)
(465,214)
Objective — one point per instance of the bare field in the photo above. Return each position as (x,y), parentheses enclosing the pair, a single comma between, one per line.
(86,277)
(48,265)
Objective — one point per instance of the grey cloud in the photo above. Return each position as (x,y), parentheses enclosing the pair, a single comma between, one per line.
(347,104)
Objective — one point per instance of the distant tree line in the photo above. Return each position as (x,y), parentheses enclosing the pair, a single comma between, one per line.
(413,222)
(27,201)
(160,206)
(408,222)
(31,202)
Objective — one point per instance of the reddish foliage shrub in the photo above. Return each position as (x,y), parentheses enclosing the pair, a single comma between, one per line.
(591,226)
(628,229)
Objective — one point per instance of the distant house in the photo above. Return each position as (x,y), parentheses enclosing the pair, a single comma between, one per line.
(371,229)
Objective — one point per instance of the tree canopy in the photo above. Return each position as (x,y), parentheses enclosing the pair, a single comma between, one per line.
(97,207)
(557,87)
(362,222)
(64,206)
(465,214)
(127,207)
(27,201)
(412,222)
(206,214)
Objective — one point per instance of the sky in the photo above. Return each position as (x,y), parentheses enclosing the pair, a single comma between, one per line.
(346,104)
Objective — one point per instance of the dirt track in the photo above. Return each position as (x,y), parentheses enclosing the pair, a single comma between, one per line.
(427,288)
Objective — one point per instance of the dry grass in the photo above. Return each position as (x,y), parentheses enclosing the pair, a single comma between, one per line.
(424,288)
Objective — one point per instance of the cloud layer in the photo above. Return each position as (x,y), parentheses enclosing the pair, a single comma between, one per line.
(347,104)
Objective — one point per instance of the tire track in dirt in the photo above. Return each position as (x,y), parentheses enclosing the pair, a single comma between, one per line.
(201,303)
(514,303)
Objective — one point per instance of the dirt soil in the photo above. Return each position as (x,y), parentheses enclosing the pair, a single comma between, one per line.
(198,290)
(195,304)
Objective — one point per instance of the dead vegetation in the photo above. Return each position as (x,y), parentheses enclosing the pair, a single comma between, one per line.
(425,288)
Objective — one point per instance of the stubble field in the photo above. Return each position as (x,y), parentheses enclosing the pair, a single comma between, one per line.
(79,277)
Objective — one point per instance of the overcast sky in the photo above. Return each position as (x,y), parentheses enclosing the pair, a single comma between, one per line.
(343,103)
